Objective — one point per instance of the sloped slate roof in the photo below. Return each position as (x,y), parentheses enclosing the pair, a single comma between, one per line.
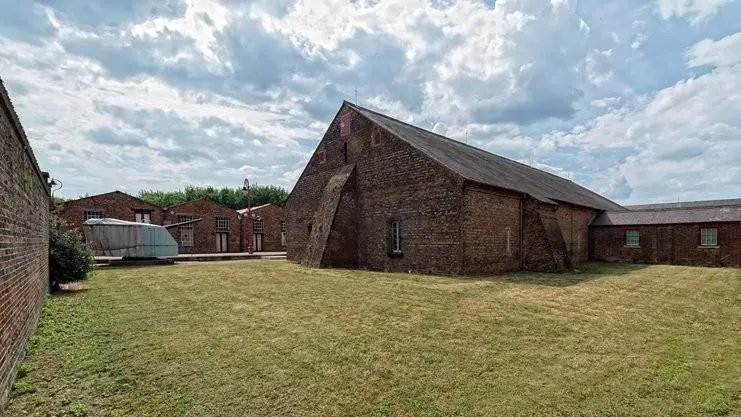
(483,167)
(669,216)
(687,204)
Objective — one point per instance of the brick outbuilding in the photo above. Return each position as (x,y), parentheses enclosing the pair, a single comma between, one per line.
(115,204)
(382,194)
(267,228)
(690,233)
(218,230)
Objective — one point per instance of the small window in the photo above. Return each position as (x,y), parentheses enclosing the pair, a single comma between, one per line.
(283,233)
(321,157)
(632,238)
(142,217)
(182,218)
(258,226)
(345,151)
(93,215)
(186,230)
(709,237)
(376,137)
(396,237)
(222,224)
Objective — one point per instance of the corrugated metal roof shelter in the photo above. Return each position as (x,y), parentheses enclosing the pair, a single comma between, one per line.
(669,216)
(113,237)
(483,167)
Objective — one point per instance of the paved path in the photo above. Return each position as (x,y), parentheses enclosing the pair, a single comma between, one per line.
(204,257)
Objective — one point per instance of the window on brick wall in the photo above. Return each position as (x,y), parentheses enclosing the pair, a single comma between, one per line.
(283,233)
(222,224)
(709,237)
(142,216)
(186,230)
(258,225)
(92,214)
(321,157)
(632,238)
(395,237)
(376,136)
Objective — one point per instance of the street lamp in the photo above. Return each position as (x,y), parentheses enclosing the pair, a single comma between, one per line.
(248,204)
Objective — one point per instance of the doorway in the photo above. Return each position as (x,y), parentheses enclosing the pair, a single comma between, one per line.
(257,242)
(222,242)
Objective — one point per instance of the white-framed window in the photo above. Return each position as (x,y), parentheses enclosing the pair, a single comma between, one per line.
(258,225)
(142,217)
(222,224)
(709,236)
(395,237)
(93,214)
(186,230)
(632,238)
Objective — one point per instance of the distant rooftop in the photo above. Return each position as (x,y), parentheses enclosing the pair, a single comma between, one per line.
(687,204)
(673,213)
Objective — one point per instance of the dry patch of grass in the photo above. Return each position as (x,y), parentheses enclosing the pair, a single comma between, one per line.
(272,338)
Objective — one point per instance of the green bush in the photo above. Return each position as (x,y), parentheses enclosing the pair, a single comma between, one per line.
(70,259)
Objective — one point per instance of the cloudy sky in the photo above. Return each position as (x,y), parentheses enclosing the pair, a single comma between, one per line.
(639,100)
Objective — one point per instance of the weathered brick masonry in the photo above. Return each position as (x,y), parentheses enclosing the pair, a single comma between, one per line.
(24,243)
(669,244)
(357,185)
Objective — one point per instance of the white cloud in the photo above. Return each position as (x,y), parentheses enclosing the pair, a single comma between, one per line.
(696,11)
(723,52)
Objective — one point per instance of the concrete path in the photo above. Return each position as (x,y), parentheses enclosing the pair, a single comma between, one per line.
(205,257)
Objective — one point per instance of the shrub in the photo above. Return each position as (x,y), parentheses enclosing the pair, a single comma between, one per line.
(70,259)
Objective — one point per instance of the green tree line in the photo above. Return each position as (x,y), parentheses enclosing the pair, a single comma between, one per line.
(230,197)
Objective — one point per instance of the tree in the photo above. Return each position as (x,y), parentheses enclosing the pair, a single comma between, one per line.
(230,197)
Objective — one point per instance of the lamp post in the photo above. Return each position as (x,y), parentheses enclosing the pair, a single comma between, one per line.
(248,203)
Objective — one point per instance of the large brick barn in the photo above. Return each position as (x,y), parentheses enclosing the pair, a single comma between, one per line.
(382,194)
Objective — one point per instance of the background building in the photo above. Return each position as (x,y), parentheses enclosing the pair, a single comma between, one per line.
(217,231)
(688,233)
(267,228)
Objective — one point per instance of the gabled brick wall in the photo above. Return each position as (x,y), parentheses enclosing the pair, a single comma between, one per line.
(24,243)
(115,205)
(393,181)
(204,231)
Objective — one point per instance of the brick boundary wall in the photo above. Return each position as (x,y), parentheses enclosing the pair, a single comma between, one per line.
(24,243)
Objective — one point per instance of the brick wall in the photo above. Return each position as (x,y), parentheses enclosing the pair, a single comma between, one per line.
(393,181)
(24,243)
(574,223)
(491,230)
(204,231)
(671,244)
(272,216)
(115,205)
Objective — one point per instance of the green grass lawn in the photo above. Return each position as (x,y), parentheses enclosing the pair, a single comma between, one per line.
(270,338)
